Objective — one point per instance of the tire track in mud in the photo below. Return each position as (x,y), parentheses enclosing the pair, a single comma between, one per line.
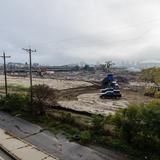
(72,93)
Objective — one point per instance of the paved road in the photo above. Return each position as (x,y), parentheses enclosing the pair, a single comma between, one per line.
(4,156)
(58,146)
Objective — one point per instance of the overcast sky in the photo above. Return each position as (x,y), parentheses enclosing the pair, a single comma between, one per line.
(71,31)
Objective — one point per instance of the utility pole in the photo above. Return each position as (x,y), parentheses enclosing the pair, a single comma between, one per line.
(30,71)
(5,71)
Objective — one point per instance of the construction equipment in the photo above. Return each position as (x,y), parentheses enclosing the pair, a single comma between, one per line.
(110,88)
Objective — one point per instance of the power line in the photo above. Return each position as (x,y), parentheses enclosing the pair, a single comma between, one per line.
(30,70)
(5,71)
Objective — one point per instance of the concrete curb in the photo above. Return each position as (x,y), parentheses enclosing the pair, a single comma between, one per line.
(8,153)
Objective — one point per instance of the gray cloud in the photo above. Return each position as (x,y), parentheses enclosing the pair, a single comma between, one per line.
(69,31)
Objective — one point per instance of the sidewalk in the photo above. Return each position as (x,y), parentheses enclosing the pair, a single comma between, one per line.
(21,150)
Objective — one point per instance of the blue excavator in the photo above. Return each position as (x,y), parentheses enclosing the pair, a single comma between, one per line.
(110,88)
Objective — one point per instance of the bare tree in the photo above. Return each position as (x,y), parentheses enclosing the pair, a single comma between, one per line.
(109,64)
(42,94)
(106,66)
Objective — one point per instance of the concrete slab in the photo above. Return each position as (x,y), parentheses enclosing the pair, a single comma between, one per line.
(20,149)
(29,153)
(12,144)
(4,135)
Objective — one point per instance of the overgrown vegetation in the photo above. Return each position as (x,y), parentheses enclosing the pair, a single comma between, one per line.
(98,123)
(14,88)
(139,127)
(13,103)
(134,130)
(151,75)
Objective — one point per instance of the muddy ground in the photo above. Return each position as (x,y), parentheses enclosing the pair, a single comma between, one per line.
(90,101)
(82,95)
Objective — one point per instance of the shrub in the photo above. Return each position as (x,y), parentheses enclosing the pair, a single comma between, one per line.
(150,92)
(67,118)
(139,126)
(157,94)
(85,137)
(13,102)
(98,124)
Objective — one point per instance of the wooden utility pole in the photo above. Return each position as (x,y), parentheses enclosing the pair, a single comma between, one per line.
(30,71)
(5,71)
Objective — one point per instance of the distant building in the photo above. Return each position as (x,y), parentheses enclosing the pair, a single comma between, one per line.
(149,64)
(12,65)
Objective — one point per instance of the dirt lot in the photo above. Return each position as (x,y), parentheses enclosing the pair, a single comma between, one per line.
(57,84)
(88,100)
(82,96)
(93,104)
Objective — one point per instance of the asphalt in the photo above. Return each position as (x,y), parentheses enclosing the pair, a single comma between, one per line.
(56,145)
